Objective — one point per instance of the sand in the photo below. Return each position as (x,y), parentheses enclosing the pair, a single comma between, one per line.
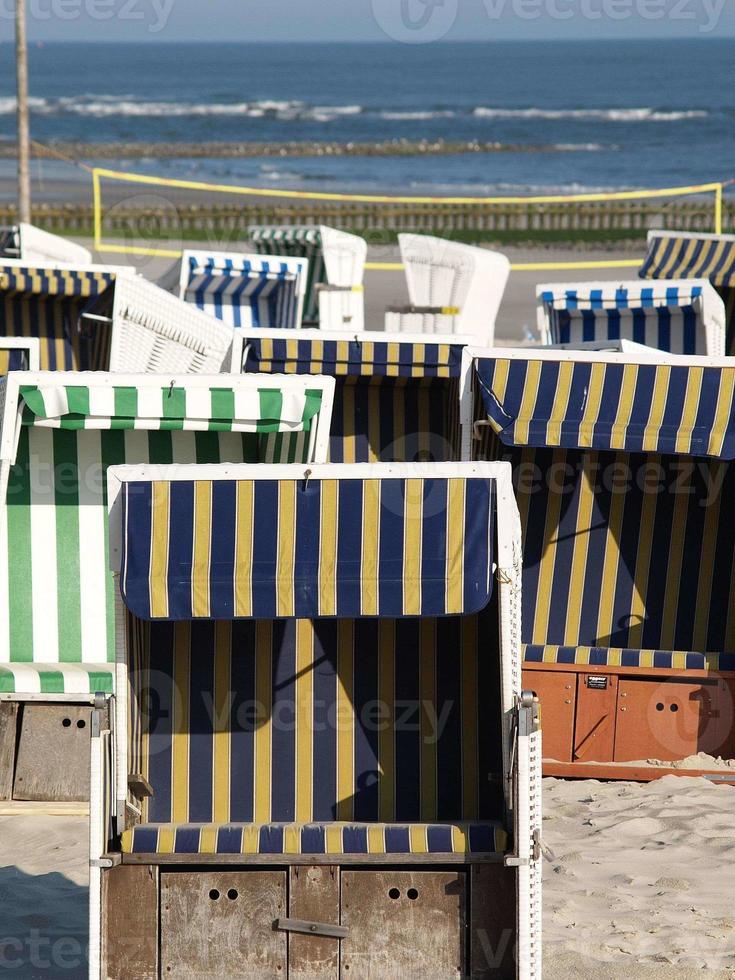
(639,883)
(43,897)
(641,880)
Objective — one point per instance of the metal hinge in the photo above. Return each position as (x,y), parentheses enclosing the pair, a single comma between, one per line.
(312,928)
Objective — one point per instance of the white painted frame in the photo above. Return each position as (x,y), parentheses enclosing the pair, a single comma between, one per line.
(32,345)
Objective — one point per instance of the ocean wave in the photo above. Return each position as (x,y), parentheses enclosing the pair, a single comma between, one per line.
(109,106)
(417,115)
(106,106)
(605,115)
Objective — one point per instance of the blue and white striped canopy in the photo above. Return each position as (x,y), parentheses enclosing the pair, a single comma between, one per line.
(244,292)
(372,358)
(648,407)
(669,317)
(230,549)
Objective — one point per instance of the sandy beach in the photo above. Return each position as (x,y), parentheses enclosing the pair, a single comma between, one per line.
(638,882)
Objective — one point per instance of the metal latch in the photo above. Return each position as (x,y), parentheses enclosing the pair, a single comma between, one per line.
(312,928)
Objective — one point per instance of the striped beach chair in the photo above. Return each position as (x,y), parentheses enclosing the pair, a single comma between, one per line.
(19,354)
(329,615)
(452,288)
(334,297)
(623,467)
(33,245)
(678,316)
(245,290)
(60,432)
(96,318)
(690,255)
(395,400)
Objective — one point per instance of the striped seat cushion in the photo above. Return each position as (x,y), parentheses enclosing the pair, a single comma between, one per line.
(316,838)
(60,678)
(617,657)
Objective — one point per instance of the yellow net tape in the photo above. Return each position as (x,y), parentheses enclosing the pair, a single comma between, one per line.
(98,173)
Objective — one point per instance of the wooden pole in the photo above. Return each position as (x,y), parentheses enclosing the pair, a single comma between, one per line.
(21,75)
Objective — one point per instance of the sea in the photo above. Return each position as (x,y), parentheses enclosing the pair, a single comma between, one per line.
(578,115)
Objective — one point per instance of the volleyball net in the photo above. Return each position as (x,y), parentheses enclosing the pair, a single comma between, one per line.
(143,215)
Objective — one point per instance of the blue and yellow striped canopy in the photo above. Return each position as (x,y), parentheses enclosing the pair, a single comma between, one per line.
(354,357)
(54,282)
(647,407)
(690,257)
(230,549)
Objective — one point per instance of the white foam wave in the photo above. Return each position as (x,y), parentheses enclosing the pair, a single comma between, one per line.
(418,115)
(104,106)
(605,115)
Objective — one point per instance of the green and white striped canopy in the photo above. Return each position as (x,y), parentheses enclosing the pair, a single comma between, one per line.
(212,409)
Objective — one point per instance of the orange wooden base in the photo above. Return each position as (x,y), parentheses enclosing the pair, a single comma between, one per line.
(592,717)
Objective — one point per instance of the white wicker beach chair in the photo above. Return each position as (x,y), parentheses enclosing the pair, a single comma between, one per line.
(153,331)
(31,244)
(680,316)
(342,297)
(452,288)
(245,290)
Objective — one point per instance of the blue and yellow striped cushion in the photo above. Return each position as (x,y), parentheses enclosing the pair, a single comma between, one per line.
(617,657)
(317,838)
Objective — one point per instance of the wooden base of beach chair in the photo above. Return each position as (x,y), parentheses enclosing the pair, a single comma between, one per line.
(600,716)
(308,922)
(8,746)
(52,761)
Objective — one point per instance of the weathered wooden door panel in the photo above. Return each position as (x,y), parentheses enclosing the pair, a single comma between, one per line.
(53,753)
(557,694)
(130,922)
(404,924)
(313,895)
(8,739)
(218,925)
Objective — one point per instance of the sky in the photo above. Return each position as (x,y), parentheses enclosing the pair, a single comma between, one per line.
(411,21)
